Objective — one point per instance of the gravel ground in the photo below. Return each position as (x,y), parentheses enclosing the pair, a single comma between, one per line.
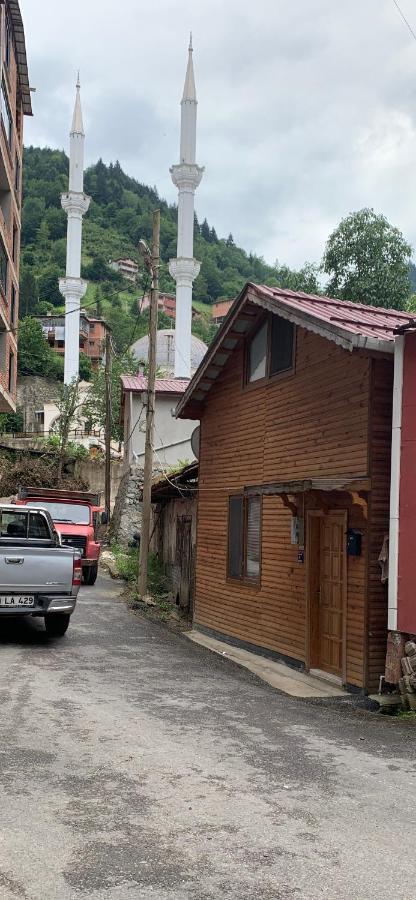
(135,764)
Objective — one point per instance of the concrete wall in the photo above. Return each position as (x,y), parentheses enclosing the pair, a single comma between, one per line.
(172,436)
(94,472)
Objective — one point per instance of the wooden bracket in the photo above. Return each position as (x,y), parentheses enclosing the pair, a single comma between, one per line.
(289,505)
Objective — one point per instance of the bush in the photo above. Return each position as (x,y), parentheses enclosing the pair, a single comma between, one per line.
(11,423)
(127,560)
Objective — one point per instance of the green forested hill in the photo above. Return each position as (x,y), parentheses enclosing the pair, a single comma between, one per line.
(120,214)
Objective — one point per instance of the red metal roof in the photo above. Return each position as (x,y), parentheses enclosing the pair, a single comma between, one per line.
(352,326)
(138,383)
(368,321)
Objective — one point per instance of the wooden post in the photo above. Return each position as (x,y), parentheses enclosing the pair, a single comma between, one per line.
(107,489)
(150,411)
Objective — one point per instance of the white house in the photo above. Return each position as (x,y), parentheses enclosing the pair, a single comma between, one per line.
(172,437)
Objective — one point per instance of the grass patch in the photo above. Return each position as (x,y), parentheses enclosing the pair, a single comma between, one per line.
(127,561)
(163,608)
(203,308)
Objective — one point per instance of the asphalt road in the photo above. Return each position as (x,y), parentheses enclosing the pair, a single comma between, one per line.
(135,764)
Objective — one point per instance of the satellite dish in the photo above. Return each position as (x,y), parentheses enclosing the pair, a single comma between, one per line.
(195,441)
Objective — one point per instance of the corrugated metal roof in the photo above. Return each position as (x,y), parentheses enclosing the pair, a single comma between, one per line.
(138,383)
(367,321)
(352,326)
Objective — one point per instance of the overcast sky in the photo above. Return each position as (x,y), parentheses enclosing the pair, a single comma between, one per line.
(307,108)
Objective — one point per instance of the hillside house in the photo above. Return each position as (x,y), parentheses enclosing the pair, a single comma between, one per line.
(220,310)
(126,267)
(166,303)
(92,335)
(295,402)
(172,442)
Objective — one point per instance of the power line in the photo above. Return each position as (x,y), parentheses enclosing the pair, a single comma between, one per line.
(406,21)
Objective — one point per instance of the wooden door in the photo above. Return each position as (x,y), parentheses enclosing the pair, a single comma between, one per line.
(184,560)
(331,592)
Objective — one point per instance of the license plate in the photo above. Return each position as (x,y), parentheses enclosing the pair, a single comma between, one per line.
(17,600)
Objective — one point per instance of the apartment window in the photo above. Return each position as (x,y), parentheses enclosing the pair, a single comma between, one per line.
(15,243)
(244,537)
(271,349)
(17,175)
(6,114)
(8,46)
(4,268)
(11,372)
(13,306)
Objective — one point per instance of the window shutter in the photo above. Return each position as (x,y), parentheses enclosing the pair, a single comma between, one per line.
(281,351)
(235,537)
(253,537)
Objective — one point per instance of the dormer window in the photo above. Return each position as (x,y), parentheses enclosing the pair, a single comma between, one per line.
(271,349)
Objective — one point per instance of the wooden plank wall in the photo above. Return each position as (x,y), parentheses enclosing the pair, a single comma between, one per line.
(314,422)
(379,464)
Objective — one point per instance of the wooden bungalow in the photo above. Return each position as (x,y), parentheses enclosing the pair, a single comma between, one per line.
(294,398)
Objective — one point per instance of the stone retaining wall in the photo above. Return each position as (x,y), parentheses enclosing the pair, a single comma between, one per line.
(127,514)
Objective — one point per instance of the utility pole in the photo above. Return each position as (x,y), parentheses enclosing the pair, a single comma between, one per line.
(108,423)
(152,263)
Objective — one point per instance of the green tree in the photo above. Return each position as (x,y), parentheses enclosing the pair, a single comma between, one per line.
(11,423)
(84,367)
(205,231)
(367,260)
(56,221)
(68,405)
(304,279)
(33,350)
(35,357)
(94,408)
(33,211)
(29,294)
(49,286)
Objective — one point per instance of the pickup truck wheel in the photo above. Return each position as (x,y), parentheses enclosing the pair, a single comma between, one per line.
(56,624)
(89,574)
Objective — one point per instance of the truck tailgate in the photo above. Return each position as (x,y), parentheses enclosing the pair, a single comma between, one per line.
(36,570)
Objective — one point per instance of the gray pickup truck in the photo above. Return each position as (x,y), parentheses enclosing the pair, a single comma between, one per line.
(38,577)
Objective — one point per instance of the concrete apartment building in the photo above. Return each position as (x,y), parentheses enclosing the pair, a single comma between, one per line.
(92,334)
(15,102)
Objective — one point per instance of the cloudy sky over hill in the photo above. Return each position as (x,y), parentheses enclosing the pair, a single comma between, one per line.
(307,108)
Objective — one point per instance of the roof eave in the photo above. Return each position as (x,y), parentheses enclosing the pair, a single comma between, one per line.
(22,67)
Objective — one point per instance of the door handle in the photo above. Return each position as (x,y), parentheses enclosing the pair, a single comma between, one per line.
(14,560)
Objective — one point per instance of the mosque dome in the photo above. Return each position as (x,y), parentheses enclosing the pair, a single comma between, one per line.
(165,350)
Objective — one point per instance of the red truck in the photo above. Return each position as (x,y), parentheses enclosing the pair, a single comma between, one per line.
(76,516)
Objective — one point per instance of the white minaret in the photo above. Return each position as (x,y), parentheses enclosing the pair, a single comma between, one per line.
(184,269)
(75,203)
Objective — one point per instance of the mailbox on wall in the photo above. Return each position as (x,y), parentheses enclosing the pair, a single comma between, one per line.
(354,542)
